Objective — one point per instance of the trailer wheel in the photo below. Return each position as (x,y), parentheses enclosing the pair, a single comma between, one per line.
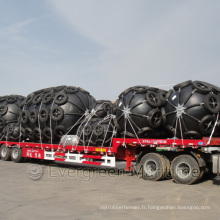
(153,166)
(202,172)
(5,153)
(167,171)
(185,169)
(16,155)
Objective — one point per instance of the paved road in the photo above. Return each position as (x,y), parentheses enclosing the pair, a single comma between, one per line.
(74,193)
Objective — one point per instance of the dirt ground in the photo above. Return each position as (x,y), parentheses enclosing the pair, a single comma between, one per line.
(37,190)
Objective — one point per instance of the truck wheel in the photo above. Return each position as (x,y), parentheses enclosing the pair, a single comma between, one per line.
(16,155)
(153,166)
(5,153)
(185,169)
(167,171)
(202,172)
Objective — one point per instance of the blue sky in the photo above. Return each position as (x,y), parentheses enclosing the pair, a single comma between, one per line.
(106,46)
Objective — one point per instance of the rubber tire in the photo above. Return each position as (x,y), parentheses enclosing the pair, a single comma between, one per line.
(146,132)
(160,163)
(107,107)
(29,133)
(164,118)
(43,115)
(2,98)
(22,98)
(202,172)
(162,95)
(192,135)
(140,89)
(169,94)
(167,174)
(114,107)
(134,89)
(171,130)
(207,100)
(47,132)
(37,99)
(205,119)
(182,85)
(70,89)
(3,109)
(60,98)
(151,118)
(10,99)
(36,133)
(10,129)
(33,116)
(48,97)
(125,92)
(6,157)
(201,87)
(24,116)
(56,113)
(216,89)
(193,166)
(87,130)
(153,99)
(153,89)
(29,99)
(60,131)
(98,130)
(19,157)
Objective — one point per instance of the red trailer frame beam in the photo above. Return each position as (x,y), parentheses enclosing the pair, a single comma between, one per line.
(123,148)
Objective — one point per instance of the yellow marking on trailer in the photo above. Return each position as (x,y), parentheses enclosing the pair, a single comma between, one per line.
(100,149)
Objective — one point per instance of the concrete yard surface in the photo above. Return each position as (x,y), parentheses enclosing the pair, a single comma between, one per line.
(39,190)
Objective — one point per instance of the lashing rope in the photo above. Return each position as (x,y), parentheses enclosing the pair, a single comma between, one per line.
(70,130)
(38,118)
(113,133)
(213,130)
(20,133)
(134,131)
(110,117)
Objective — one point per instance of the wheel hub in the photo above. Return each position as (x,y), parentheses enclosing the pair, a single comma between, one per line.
(150,168)
(15,153)
(4,152)
(183,170)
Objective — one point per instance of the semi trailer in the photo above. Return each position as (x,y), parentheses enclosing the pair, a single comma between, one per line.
(183,160)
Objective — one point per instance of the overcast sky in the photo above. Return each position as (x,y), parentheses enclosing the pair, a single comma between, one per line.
(106,46)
